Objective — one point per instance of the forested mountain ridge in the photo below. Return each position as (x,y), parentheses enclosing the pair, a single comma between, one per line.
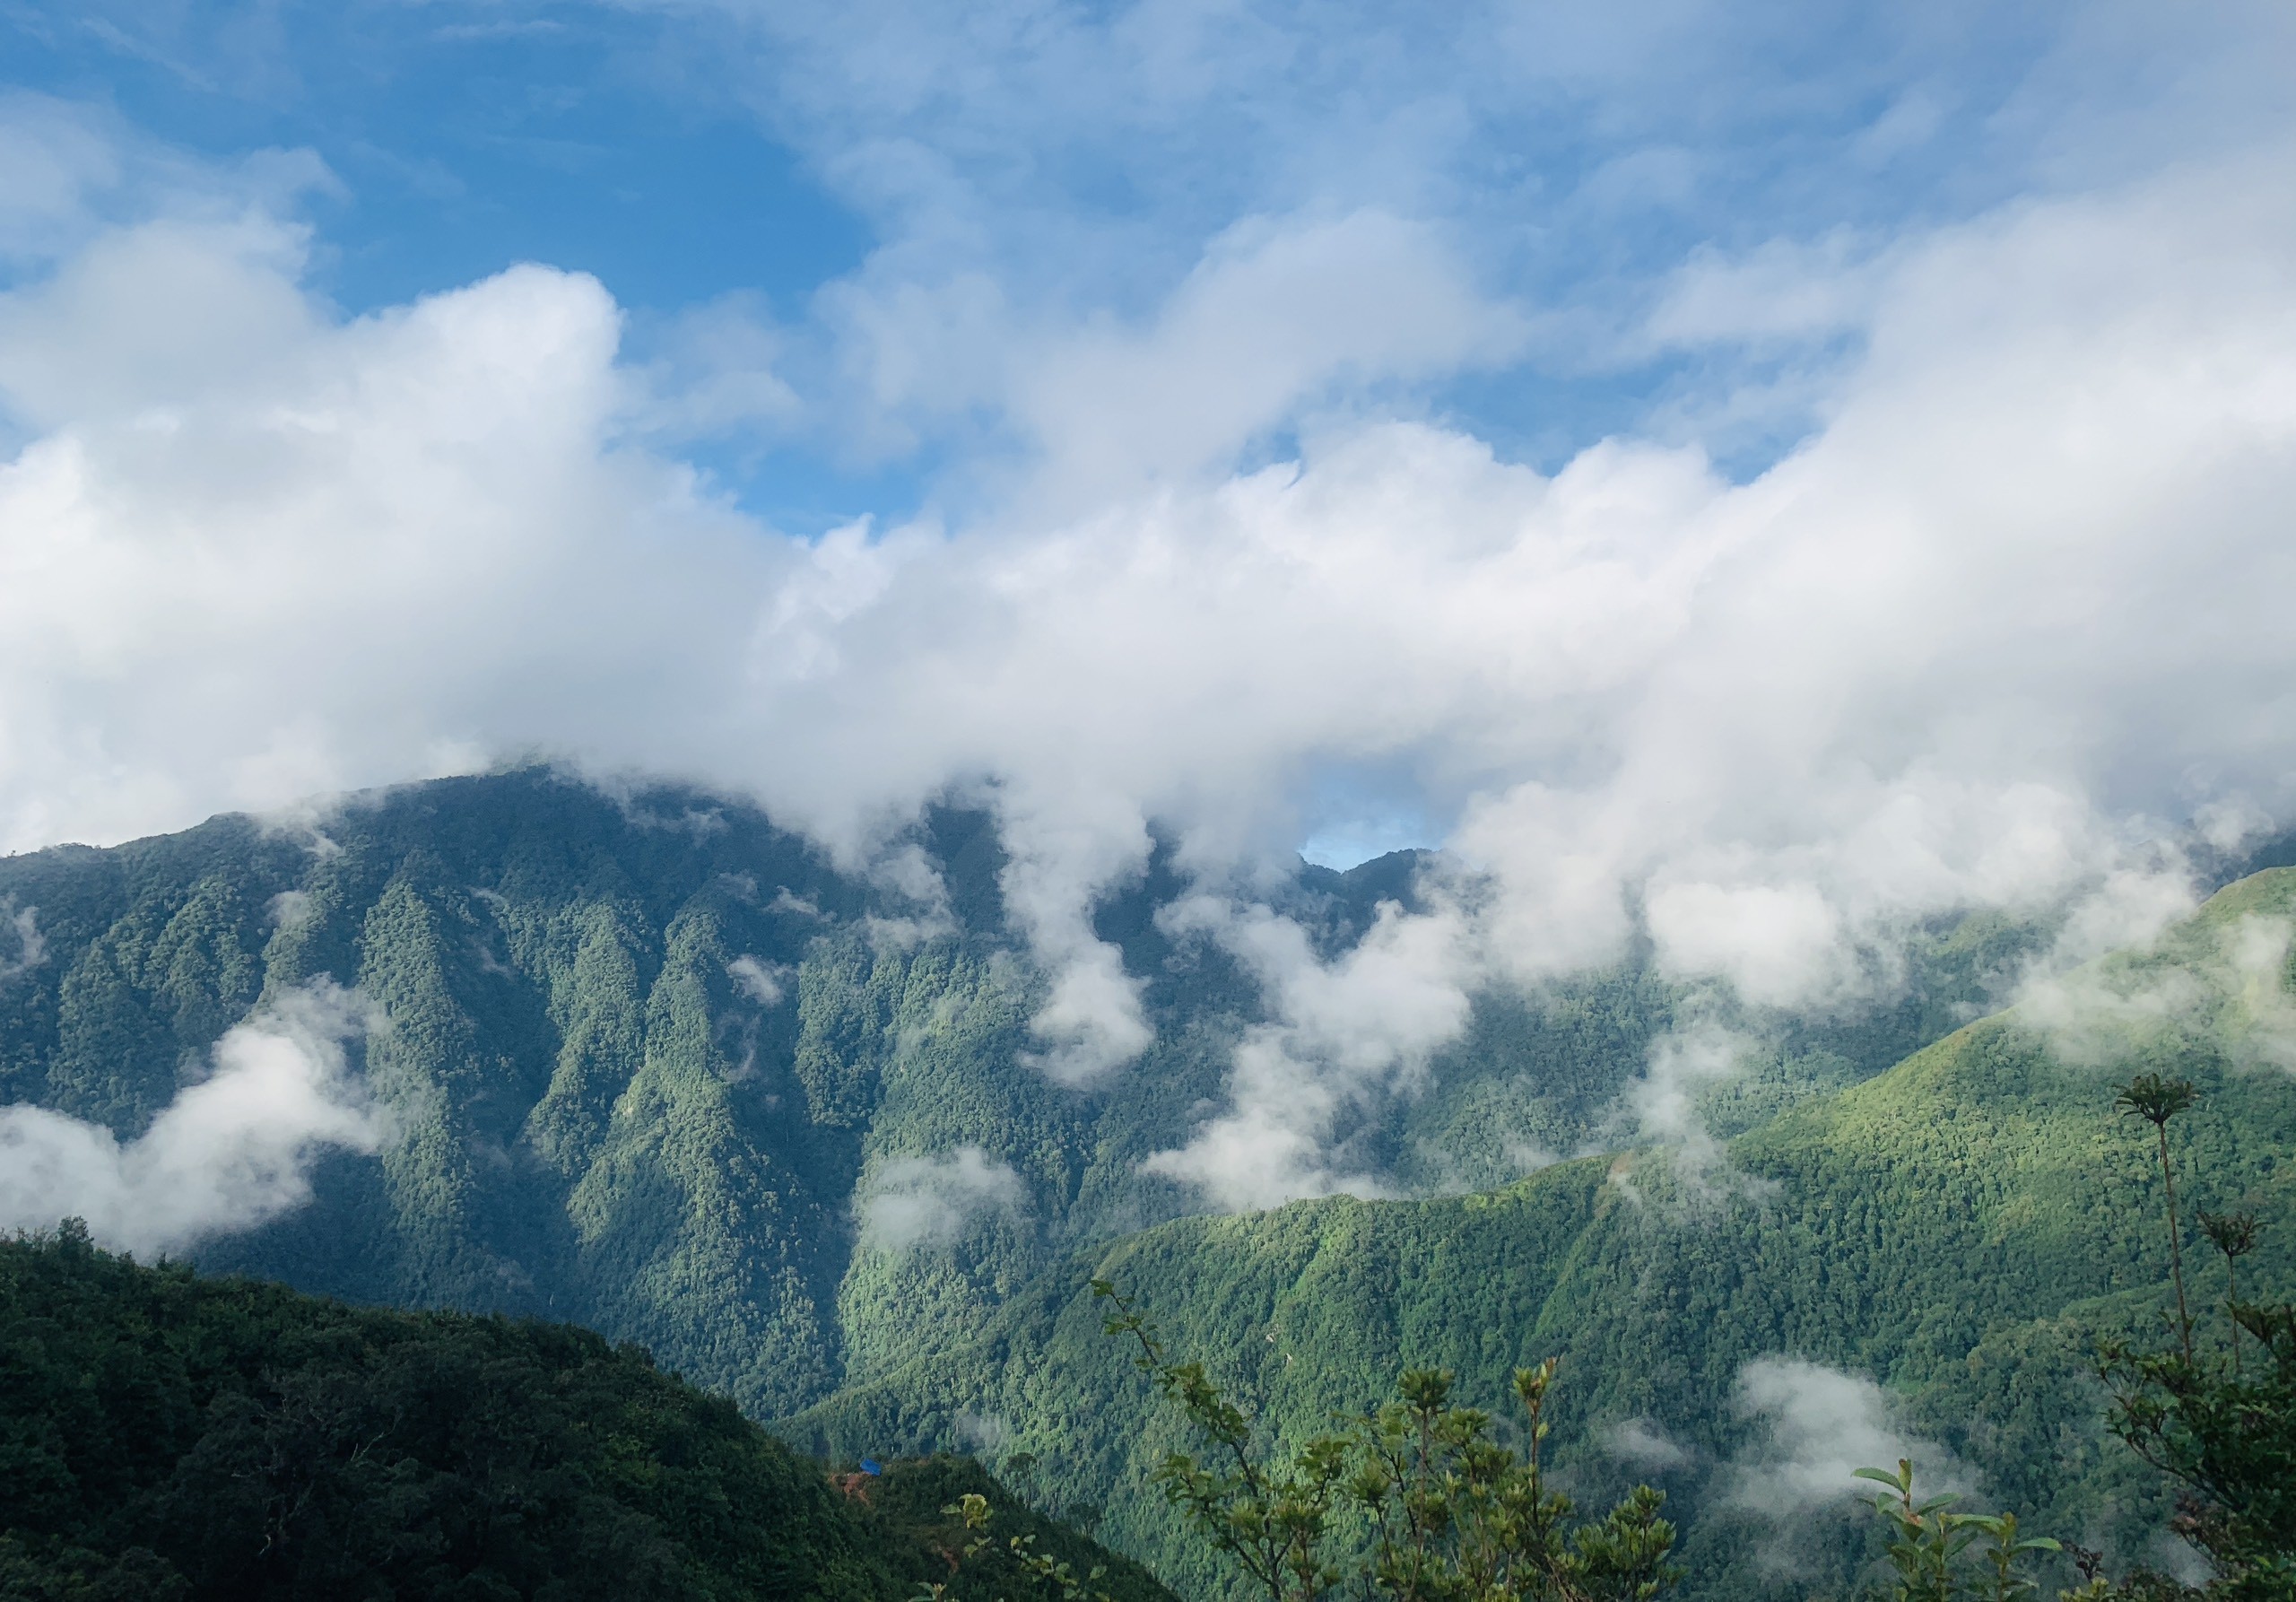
(538,961)
(656,1067)
(648,1060)
(1962,1227)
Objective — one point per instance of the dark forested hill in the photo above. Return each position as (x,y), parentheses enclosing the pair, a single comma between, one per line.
(166,1437)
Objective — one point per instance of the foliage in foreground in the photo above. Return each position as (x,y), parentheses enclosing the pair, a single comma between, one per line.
(2226,1431)
(1417,1501)
(2196,1413)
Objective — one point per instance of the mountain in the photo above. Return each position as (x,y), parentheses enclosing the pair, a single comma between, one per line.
(169,1438)
(648,1063)
(648,1060)
(1961,1227)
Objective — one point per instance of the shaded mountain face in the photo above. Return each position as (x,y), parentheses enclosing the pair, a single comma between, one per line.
(539,958)
(653,1065)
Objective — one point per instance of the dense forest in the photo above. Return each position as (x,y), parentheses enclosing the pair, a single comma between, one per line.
(1963,1228)
(649,1065)
(647,1058)
(168,1436)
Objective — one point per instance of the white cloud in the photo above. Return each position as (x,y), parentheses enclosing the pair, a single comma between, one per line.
(1090,1019)
(54,159)
(1665,1100)
(1342,1034)
(983,1433)
(930,1201)
(2262,1022)
(1050,187)
(229,1152)
(2014,602)
(291,908)
(1640,1444)
(2234,996)
(19,929)
(254,554)
(1783,290)
(1818,1426)
(714,373)
(1776,943)
(765,983)
(1281,309)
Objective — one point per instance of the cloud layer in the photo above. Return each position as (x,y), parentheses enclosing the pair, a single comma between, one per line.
(229,1152)
(2002,622)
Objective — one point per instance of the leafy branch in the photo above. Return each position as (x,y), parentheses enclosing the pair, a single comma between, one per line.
(1417,1500)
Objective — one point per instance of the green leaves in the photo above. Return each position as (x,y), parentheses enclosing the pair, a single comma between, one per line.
(1415,1500)
(2230,1437)
(2232,1233)
(1928,1543)
(2155,1098)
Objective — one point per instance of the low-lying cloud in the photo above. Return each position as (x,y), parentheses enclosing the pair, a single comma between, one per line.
(1642,1445)
(231,1152)
(1340,1034)
(22,947)
(763,982)
(933,1201)
(1816,1427)
(2228,991)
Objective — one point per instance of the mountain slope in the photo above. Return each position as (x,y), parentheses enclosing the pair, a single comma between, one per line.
(651,1064)
(539,958)
(1958,1227)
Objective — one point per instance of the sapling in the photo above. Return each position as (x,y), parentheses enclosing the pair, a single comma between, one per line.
(2235,1235)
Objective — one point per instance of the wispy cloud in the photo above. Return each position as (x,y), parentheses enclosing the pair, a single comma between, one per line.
(909,1202)
(2227,990)
(1816,1427)
(229,1152)
(22,947)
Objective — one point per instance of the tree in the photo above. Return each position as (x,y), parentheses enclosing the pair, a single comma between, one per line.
(2230,1438)
(1928,1542)
(1415,1501)
(2157,1100)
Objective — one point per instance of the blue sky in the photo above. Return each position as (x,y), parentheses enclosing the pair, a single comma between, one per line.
(1079,160)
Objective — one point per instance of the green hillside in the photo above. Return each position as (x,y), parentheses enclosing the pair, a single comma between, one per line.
(647,1057)
(1960,1227)
(172,1438)
(650,1062)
